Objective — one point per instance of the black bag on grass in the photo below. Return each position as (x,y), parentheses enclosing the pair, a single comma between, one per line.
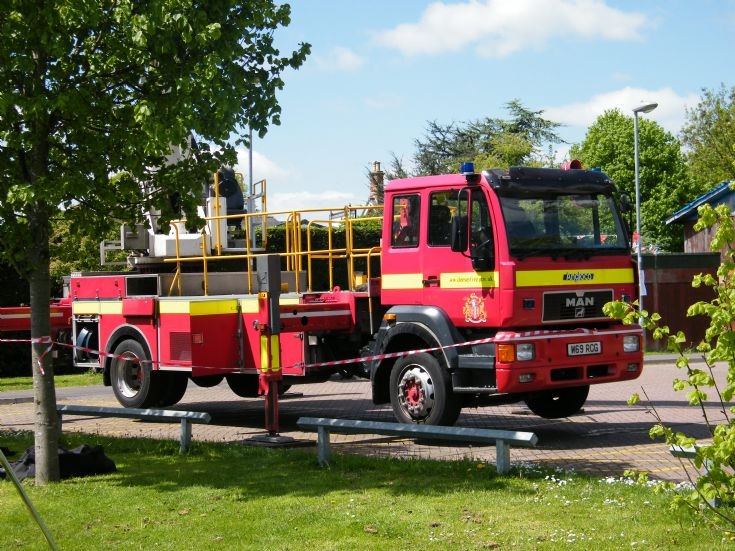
(81,461)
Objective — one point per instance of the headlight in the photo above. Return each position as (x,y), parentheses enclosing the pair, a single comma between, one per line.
(631,343)
(507,353)
(525,352)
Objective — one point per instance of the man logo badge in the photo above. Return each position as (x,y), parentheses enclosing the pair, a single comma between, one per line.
(580,301)
(579,312)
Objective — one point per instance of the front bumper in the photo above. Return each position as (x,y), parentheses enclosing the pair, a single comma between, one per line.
(596,356)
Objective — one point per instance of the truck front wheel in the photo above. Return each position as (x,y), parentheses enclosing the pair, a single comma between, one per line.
(561,402)
(420,391)
(132,382)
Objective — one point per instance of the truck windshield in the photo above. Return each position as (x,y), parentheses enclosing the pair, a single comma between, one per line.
(563,224)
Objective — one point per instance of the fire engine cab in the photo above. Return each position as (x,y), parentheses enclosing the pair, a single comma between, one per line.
(485,288)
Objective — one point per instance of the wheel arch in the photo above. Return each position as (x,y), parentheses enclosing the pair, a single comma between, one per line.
(116,337)
(414,327)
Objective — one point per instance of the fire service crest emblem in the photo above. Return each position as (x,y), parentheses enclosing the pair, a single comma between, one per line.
(474,309)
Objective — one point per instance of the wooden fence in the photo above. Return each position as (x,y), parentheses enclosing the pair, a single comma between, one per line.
(668,281)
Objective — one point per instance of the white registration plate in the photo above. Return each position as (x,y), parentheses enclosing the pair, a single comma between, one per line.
(584,348)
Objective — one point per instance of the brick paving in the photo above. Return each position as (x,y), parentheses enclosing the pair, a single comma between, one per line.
(605,439)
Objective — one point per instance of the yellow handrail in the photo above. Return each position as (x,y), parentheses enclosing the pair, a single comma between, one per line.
(293,251)
(205,273)
(177,274)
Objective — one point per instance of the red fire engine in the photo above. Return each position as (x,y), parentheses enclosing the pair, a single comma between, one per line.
(490,290)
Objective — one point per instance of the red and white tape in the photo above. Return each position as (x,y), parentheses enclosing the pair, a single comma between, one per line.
(500,337)
(391,355)
(332,363)
(42,355)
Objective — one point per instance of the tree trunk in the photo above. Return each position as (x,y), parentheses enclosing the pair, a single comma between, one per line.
(46,426)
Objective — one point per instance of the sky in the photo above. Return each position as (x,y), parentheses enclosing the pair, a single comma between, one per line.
(380,69)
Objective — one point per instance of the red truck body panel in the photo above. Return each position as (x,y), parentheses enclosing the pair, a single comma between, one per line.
(487,288)
(18,318)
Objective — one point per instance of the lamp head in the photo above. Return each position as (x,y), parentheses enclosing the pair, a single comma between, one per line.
(647,108)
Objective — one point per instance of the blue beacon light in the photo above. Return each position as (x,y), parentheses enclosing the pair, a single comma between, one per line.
(467,168)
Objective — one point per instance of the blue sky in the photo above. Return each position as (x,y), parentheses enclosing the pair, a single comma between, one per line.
(380,69)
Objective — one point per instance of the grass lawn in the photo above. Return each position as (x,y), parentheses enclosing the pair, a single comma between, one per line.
(26,383)
(222,496)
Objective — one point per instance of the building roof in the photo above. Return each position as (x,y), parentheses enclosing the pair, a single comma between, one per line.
(717,196)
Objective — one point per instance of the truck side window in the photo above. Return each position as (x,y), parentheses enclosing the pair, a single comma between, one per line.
(405,221)
(481,229)
(443,205)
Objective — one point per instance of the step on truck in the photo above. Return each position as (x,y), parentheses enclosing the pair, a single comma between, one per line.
(482,288)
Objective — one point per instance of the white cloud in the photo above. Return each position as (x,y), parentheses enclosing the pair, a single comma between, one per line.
(561,153)
(263,167)
(498,28)
(279,177)
(670,112)
(339,59)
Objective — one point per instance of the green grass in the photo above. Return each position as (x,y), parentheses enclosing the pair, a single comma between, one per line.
(222,496)
(26,383)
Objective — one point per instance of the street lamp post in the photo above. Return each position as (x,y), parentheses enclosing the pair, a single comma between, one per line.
(647,108)
(251,193)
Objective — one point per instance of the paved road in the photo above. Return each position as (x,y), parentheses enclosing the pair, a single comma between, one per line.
(606,438)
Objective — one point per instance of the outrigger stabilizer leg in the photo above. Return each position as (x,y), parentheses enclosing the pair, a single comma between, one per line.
(269,325)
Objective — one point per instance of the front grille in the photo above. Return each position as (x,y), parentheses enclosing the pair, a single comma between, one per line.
(570,306)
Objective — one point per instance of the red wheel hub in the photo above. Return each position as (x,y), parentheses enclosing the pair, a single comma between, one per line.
(413,393)
(416,392)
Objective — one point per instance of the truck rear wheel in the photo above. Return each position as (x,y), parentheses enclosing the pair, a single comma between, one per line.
(248,386)
(208,381)
(245,386)
(562,402)
(173,387)
(420,391)
(132,382)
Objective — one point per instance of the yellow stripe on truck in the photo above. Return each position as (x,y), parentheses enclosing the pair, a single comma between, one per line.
(198,307)
(549,278)
(392,282)
(250,305)
(207,308)
(173,306)
(211,307)
(96,307)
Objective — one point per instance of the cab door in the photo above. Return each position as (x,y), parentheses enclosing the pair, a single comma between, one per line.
(462,283)
(401,279)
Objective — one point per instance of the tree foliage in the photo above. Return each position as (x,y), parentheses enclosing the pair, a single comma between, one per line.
(79,252)
(609,144)
(489,142)
(91,89)
(709,135)
(715,458)
(396,168)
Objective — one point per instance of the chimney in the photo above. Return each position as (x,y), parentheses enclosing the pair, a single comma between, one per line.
(376,185)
